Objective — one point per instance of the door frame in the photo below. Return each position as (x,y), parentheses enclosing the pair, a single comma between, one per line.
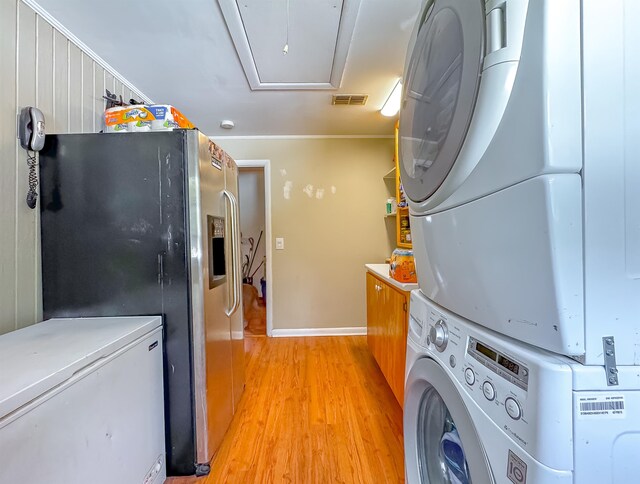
(266,165)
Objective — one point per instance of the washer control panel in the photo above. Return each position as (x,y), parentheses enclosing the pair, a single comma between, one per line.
(496,380)
(499,379)
(500,364)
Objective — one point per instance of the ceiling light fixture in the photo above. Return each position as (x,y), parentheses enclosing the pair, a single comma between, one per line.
(285,50)
(392,104)
(227,124)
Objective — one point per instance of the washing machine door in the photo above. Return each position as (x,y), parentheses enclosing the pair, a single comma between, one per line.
(441,81)
(441,442)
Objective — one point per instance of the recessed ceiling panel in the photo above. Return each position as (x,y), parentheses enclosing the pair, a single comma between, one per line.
(312,37)
(319,37)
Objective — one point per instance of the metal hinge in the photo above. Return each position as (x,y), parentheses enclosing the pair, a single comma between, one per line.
(609,350)
(404,306)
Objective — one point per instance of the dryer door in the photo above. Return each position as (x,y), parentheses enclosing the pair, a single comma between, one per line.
(440,440)
(441,81)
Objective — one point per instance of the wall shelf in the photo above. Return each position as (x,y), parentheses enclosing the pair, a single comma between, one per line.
(390,175)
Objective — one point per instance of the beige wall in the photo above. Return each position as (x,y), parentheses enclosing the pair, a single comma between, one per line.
(319,278)
(66,84)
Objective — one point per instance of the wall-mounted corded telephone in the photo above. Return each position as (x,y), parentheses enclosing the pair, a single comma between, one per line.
(31,129)
(31,134)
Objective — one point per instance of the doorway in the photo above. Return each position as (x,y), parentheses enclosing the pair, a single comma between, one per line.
(254,181)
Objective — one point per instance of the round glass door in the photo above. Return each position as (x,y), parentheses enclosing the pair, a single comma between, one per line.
(442,76)
(441,456)
(441,442)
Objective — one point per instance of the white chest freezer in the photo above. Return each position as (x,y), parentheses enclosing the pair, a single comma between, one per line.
(81,401)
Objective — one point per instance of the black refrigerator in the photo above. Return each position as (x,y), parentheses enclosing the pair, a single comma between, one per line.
(143,224)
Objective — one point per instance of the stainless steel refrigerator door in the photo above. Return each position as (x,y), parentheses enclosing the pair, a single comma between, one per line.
(237,317)
(211,296)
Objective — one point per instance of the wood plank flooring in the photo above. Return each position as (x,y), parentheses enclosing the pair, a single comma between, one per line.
(315,410)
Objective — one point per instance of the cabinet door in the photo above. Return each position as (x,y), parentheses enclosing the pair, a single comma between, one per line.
(395,339)
(387,331)
(373,326)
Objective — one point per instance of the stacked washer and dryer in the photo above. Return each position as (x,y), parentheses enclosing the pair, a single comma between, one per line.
(520,157)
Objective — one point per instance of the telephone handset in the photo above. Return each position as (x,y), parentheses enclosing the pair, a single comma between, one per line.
(31,129)
(31,135)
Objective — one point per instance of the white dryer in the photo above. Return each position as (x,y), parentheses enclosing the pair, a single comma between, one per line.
(518,156)
(483,408)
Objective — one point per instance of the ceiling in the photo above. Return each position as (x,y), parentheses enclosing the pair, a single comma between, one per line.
(184,53)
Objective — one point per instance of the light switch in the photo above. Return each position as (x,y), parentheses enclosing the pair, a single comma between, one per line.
(279,243)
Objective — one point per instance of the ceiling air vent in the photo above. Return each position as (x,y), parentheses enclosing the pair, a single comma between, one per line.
(349,99)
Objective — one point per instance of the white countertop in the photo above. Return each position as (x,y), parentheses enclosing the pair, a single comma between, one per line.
(382,271)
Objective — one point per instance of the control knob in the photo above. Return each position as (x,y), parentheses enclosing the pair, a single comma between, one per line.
(439,335)
(513,408)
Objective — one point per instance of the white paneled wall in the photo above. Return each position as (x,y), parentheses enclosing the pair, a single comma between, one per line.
(39,66)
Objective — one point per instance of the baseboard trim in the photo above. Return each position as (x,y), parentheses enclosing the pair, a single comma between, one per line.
(298,332)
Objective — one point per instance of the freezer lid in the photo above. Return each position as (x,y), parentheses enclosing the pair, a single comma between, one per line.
(37,358)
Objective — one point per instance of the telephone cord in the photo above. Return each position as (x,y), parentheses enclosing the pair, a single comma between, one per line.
(32,194)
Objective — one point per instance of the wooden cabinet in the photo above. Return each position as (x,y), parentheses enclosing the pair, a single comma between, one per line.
(387,323)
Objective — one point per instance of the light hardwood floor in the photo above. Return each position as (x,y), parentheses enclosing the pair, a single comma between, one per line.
(315,410)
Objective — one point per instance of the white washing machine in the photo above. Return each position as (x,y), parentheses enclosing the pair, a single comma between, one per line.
(519,158)
(483,408)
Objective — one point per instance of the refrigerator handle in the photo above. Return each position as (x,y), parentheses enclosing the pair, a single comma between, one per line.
(238,261)
(234,251)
